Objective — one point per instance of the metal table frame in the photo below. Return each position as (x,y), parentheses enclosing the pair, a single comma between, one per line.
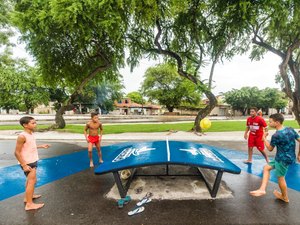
(123,189)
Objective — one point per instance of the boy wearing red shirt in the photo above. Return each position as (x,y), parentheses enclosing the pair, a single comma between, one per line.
(256,126)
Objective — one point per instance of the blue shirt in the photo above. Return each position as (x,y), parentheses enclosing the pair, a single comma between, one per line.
(284,140)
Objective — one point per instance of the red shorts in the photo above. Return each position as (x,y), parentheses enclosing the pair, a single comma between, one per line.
(93,139)
(256,141)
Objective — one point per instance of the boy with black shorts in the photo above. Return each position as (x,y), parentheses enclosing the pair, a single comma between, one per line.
(27,155)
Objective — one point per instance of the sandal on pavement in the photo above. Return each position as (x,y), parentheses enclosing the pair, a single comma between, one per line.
(127,199)
(136,210)
(121,203)
(143,201)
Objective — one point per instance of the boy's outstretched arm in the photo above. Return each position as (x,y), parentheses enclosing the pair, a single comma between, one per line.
(43,146)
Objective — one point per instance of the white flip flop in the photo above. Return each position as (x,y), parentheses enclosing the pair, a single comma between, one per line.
(143,201)
(136,210)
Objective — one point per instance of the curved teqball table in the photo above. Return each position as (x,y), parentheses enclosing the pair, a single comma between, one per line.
(133,155)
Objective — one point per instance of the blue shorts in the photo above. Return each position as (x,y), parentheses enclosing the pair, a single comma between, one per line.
(280,168)
(32,165)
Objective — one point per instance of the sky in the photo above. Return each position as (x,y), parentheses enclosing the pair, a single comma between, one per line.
(234,74)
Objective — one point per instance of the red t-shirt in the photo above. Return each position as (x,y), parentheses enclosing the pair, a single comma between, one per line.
(256,125)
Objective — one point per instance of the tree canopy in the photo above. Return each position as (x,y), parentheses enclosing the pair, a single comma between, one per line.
(136,97)
(5,28)
(21,87)
(246,97)
(163,85)
(74,41)
(273,26)
(192,34)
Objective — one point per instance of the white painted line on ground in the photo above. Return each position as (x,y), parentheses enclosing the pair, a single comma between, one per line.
(168,149)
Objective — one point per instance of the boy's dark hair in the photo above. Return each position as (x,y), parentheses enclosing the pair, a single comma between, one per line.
(94,114)
(25,120)
(277,117)
(255,109)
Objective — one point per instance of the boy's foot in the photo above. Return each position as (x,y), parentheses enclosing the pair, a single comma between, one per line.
(279,196)
(247,162)
(33,206)
(257,193)
(34,197)
(100,161)
(91,164)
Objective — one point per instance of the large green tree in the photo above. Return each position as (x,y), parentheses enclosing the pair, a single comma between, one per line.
(9,83)
(163,85)
(136,97)
(191,34)
(272,26)
(20,86)
(32,88)
(276,29)
(5,28)
(272,98)
(246,97)
(74,41)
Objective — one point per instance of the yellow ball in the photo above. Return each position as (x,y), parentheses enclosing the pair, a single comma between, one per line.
(205,123)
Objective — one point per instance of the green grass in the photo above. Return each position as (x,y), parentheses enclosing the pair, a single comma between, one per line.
(217,126)
(18,127)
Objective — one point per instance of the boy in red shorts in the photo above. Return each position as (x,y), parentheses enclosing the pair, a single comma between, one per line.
(93,137)
(256,126)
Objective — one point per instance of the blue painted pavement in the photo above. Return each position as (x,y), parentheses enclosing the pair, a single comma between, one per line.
(12,179)
(256,168)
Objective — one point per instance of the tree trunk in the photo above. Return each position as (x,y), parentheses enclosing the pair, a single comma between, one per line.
(59,119)
(244,112)
(204,112)
(296,107)
(182,72)
(287,63)
(267,111)
(170,109)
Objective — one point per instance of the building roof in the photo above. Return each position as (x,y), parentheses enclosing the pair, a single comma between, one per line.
(136,105)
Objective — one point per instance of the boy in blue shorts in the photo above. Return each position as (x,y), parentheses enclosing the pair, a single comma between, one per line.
(284,141)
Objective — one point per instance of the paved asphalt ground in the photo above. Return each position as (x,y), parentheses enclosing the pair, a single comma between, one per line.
(79,198)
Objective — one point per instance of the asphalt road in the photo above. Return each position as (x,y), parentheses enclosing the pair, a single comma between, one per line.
(80,199)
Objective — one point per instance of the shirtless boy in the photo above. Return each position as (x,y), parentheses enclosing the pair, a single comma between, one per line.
(91,133)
